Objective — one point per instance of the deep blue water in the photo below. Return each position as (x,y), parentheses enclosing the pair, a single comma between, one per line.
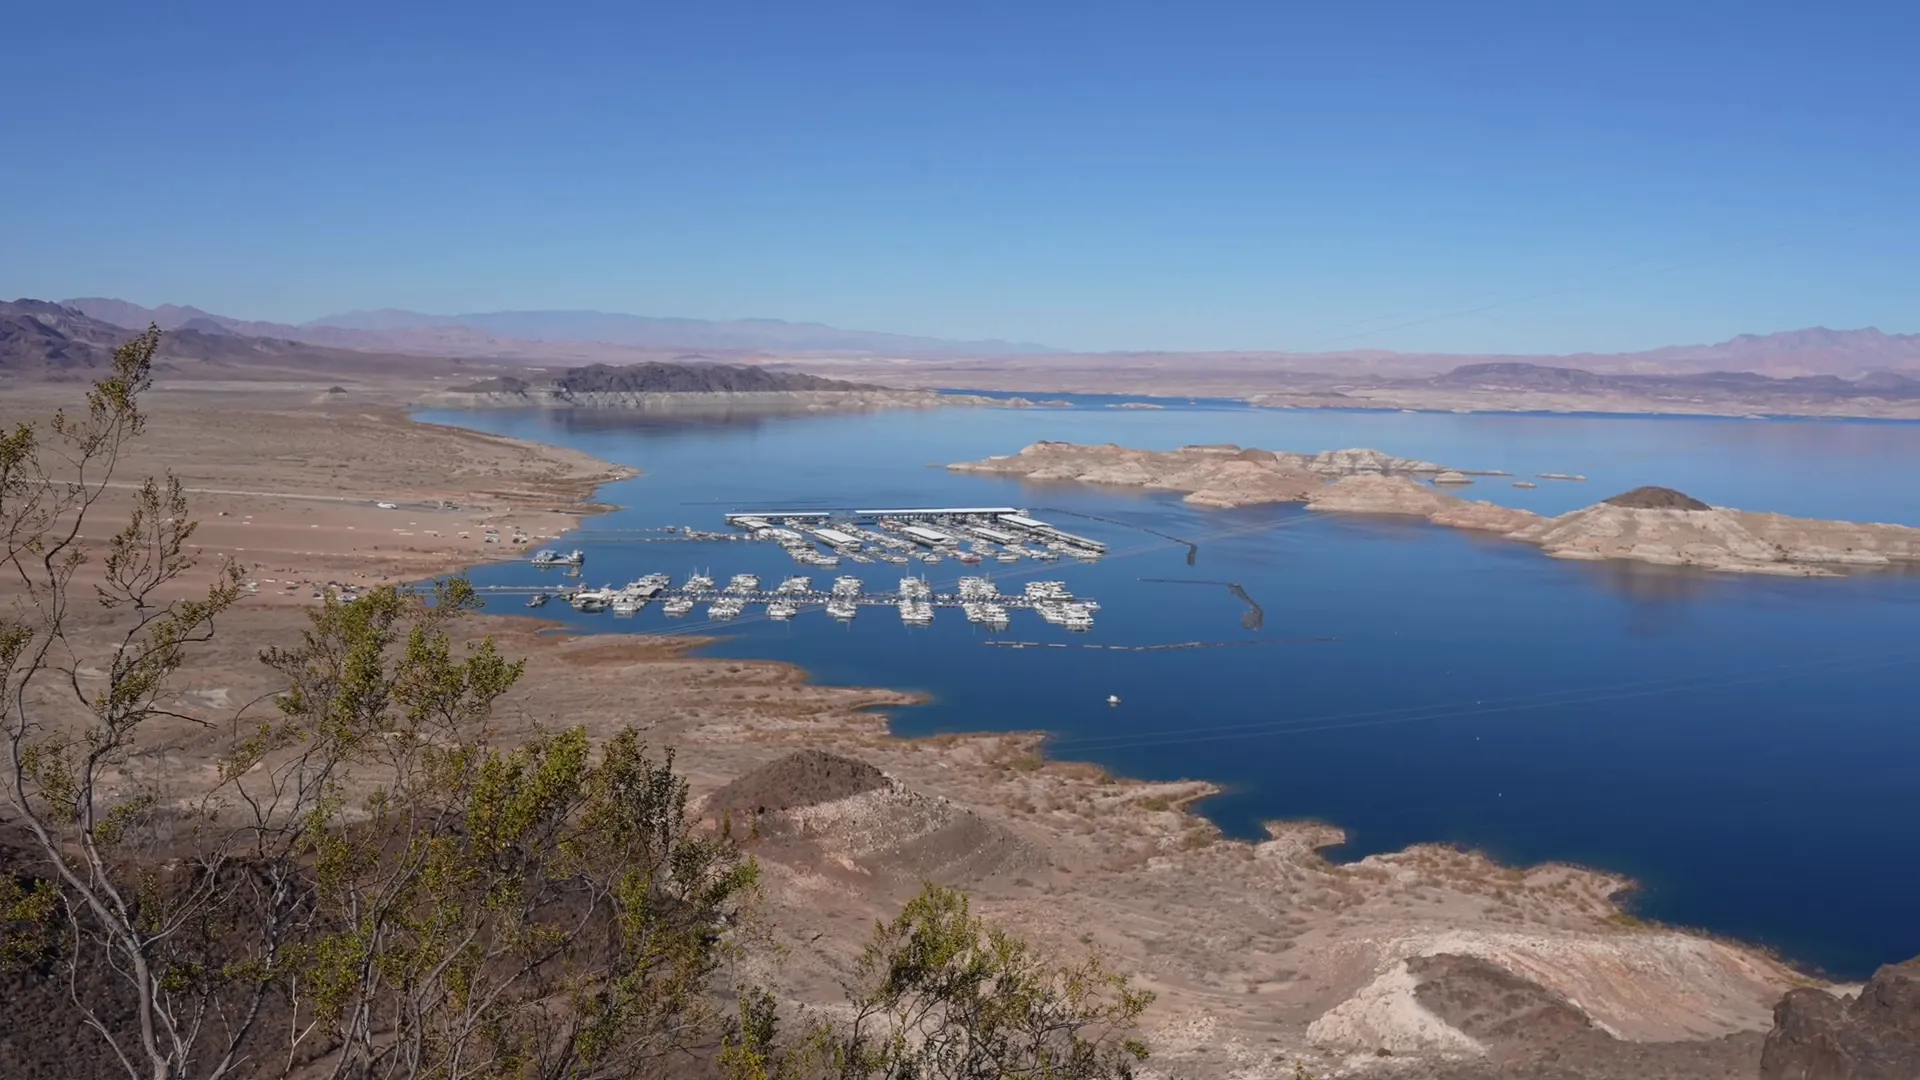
(1745,748)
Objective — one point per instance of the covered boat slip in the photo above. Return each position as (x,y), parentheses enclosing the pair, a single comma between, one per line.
(1000,524)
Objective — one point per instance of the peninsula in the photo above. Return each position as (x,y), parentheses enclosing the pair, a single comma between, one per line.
(1650,524)
(694,388)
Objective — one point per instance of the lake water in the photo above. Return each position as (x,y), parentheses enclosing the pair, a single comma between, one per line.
(1746,748)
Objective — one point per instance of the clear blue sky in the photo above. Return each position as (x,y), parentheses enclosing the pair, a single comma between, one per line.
(1606,175)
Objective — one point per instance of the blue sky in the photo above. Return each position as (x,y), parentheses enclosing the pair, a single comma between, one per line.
(1458,176)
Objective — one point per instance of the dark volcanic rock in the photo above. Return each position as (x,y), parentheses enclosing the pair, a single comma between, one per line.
(803,778)
(1533,1033)
(1875,1036)
(1493,1004)
(504,384)
(1656,498)
(656,378)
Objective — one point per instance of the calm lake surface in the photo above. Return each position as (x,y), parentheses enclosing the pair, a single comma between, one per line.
(1748,749)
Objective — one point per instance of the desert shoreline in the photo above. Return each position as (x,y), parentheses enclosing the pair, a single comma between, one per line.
(1260,950)
(1325,834)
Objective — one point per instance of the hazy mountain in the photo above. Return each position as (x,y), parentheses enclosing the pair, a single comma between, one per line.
(1814,350)
(386,319)
(512,332)
(546,336)
(1744,384)
(175,317)
(613,328)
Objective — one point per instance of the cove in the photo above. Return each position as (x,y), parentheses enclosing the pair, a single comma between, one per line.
(1742,747)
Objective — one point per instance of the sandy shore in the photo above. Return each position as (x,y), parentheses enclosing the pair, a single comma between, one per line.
(288,484)
(1262,955)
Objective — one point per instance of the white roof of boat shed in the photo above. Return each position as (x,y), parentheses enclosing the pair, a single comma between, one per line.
(836,537)
(939,511)
(1024,521)
(931,536)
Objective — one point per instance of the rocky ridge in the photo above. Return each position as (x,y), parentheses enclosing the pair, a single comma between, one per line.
(1650,525)
(1874,1035)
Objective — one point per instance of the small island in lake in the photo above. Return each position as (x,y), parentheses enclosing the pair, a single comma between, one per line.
(1649,524)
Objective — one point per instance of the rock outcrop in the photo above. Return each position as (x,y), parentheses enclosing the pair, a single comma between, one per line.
(1656,498)
(1649,524)
(1874,1036)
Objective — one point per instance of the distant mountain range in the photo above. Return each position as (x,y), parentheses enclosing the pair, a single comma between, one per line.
(508,332)
(575,338)
(41,339)
(1887,385)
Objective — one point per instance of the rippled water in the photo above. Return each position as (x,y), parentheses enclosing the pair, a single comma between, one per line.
(1745,748)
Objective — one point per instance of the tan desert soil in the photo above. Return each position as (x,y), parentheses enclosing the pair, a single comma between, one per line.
(1262,955)
(1651,525)
(287,483)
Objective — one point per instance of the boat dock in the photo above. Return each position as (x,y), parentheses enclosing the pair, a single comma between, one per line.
(969,534)
(915,600)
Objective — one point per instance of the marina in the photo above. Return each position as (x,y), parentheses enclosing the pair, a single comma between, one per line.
(915,599)
(966,534)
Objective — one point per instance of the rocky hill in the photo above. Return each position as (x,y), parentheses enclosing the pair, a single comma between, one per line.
(1651,525)
(45,340)
(1873,1035)
(684,388)
(691,378)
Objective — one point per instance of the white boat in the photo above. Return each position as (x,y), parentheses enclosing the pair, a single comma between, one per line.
(626,603)
(995,614)
(725,608)
(1113,699)
(799,584)
(917,612)
(847,585)
(699,583)
(842,608)
(782,609)
(550,557)
(1007,556)
(743,583)
(677,606)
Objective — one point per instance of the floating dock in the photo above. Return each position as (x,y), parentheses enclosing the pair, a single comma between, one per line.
(1050,605)
(932,527)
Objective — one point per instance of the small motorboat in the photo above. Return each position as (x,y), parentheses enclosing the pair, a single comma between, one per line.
(1113,699)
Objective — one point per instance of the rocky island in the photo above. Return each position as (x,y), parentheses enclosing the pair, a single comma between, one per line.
(1651,525)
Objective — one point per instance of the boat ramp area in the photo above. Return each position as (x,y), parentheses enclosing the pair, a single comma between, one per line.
(915,600)
(965,534)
